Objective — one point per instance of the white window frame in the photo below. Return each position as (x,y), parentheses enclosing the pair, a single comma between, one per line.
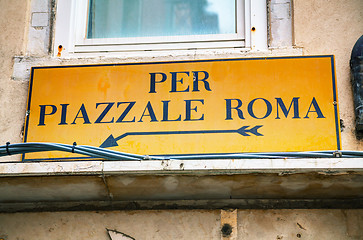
(71,30)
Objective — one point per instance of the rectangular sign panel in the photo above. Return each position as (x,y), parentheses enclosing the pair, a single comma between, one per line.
(188,107)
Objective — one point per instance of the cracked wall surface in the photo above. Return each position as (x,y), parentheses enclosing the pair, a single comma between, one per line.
(184,224)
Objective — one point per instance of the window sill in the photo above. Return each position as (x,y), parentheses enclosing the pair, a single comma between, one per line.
(23,64)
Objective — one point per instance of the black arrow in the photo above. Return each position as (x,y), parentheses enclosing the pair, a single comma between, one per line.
(111,141)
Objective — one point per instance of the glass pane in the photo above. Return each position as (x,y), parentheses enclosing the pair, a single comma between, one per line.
(145,18)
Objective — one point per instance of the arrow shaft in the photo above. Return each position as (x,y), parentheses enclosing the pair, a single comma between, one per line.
(174,132)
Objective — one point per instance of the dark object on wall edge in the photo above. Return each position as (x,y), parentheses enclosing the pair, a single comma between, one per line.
(356,67)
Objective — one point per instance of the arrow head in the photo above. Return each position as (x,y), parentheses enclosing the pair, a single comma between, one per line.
(254,130)
(109,142)
(244,131)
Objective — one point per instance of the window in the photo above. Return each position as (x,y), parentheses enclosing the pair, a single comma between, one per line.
(157,18)
(101,27)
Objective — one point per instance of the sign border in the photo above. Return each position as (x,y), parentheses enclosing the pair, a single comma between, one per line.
(334,84)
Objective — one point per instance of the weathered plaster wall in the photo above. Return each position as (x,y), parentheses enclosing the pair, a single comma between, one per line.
(184,224)
(320,27)
(332,27)
(13,94)
(300,224)
(92,225)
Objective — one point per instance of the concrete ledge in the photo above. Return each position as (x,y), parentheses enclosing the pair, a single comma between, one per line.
(250,183)
(221,166)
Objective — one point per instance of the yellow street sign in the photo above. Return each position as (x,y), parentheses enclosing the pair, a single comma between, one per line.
(219,106)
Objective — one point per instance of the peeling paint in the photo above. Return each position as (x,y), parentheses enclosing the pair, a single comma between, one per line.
(117,235)
(60,49)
